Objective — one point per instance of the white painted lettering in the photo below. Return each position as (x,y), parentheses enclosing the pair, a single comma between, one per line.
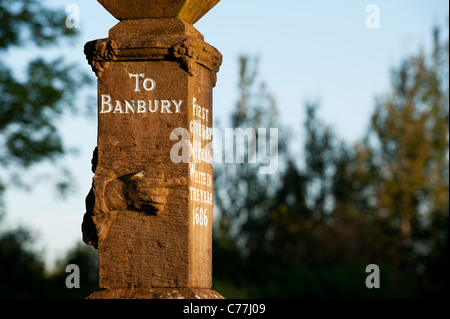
(141,107)
(129,106)
(152,86)
(165,106)
(118,107)
(177,105)
(155,106)
(106,100)
(137,76)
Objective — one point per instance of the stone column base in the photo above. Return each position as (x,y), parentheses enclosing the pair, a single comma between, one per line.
(156,293)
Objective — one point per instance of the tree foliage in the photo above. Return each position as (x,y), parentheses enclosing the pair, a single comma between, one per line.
(32,102)
(342,207)
(308,231)
(24,275)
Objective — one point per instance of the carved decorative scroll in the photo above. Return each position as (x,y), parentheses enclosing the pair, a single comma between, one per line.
(100,53)
(189,52)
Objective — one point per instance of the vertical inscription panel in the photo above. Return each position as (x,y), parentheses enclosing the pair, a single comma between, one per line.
(201,198)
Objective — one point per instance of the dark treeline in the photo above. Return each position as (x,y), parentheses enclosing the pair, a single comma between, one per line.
(310,230)
(31,106)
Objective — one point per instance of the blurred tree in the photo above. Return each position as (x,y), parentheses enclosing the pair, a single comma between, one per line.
(22,272)
(405,160)
(319,159)
(321,242)
(31,103)
(243,195)
(311,230)
(86,258)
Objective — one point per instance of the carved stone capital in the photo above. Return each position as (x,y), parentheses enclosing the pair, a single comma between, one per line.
(100,53)
(189,52)
(192,52)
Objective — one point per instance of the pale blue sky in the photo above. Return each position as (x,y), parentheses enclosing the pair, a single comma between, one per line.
(307,49)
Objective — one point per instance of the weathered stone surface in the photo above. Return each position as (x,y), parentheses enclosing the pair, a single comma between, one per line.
(188,10)
(156,293)
(142,41)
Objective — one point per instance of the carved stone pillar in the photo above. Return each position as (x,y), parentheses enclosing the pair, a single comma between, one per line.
(150,208)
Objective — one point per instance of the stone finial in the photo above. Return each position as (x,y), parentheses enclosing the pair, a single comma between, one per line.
(188,10)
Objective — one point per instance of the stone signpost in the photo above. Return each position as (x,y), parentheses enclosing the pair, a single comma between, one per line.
(150,208)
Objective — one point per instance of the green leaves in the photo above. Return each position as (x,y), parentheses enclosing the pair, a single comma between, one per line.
(311,231)
(410,127)
(32,103)
(30,109)
(28,21)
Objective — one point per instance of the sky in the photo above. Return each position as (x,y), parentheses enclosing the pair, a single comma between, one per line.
(308,51)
